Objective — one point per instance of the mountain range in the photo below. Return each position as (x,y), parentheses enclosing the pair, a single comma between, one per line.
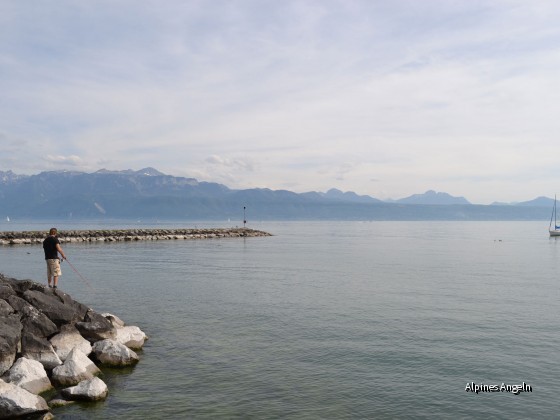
(148,193)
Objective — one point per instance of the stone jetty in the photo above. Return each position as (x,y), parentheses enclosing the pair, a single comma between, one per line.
(37,237)
(52,348)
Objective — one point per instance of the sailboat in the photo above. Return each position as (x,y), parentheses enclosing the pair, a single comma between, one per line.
(556,230)
(7,218)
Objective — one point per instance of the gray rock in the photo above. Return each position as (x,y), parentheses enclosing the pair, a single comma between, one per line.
(76,368)
(113,353)
(69,338)
(131,336)
(40,349)
(30,375)
(16,401)
(5,308)
(96,327)
(34,321)
(21,286)
(10,338)
(91,390)
(79,308)
(18,303)
(53,307)
(37,323)
(6,291)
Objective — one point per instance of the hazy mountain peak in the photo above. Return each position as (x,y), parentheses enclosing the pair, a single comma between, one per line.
(149,171)
(433,197)
(336,194)
(9,176)
(538,202)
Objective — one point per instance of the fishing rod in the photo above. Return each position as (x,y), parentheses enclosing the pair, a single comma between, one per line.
(79,275)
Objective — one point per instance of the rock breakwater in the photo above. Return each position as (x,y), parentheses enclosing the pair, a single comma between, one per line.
(100,235)
(48,340)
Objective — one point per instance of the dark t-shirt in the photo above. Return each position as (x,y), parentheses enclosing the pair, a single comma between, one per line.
(49,245)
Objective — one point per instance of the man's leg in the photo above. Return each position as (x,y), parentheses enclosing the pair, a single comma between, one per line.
(55,281)
(49,281)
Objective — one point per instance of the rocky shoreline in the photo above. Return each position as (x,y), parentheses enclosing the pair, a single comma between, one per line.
(99,235)
(52,348)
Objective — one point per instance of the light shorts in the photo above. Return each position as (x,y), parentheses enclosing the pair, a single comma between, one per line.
(53,268)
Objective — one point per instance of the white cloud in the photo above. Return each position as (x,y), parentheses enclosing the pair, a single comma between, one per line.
(64,160)
(243,164)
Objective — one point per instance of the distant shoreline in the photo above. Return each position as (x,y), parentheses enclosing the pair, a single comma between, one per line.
(118,235)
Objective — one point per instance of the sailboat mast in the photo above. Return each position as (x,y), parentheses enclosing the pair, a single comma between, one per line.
(553,215)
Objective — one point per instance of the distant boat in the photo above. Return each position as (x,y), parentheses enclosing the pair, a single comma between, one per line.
(556,230)
(7,218)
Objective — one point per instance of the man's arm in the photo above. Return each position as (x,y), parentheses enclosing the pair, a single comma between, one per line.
(59,249)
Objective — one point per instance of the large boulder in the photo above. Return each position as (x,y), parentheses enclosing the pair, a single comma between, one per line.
(96,327)
(91,390)
(18,303)
(20,286)
(79,308)
(52,307)
(113,353)
(38,324)
(131,336)
(68,338)
(40,349)
(76,368)
(10,338)
(28,374)
(33,321)
(16,401)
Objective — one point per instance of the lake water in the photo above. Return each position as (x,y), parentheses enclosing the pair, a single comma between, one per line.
(326,320)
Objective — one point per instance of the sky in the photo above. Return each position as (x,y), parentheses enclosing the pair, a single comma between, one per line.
(384,98)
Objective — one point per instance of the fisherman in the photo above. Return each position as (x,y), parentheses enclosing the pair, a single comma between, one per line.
(52,248)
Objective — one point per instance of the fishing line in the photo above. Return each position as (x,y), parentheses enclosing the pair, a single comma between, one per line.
(79,275)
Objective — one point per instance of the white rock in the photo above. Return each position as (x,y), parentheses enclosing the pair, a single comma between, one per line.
(16,401)
(131,336)
(68,339)
(91,390)
(76,368)
(29,375)
(115,320)
(113,353)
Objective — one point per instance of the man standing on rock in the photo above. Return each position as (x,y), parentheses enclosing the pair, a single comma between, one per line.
(52,248)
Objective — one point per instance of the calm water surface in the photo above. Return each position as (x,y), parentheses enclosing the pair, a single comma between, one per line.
(326,320)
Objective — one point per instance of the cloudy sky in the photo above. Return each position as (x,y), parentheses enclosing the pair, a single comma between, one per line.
(385,98)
